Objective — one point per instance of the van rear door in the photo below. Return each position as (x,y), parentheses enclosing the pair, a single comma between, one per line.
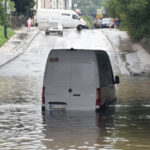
(57,77)
(71,77)
(83,81)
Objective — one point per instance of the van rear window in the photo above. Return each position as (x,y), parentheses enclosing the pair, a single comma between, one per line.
(105,70)
(75,69)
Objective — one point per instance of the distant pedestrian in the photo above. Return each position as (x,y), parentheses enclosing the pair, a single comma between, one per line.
(29,23)
(116,23)
(111,24)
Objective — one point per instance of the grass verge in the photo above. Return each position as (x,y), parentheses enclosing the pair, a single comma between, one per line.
(3,40)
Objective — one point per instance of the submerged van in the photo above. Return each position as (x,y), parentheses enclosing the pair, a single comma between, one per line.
(78,80)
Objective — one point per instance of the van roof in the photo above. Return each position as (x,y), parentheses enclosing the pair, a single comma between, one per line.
(101,55)
(73,49)
(55,10)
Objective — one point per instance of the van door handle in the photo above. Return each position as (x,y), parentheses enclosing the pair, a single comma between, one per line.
(70,90)
(76,94)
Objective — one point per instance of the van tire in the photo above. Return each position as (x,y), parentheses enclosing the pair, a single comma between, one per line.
(46,33)
(79,27)
(60,34)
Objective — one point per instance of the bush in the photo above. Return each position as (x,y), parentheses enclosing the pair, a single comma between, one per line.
(134,14)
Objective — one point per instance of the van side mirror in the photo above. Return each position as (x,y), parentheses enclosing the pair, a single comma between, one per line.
(117,80)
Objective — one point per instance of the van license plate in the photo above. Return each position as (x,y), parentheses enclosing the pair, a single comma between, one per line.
(57,106)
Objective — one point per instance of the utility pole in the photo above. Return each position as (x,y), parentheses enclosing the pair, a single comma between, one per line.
(5,22)
(37,5)
(57,4)
(44,4)
(65,1)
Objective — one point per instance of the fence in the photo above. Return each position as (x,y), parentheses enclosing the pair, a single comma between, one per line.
(17,21)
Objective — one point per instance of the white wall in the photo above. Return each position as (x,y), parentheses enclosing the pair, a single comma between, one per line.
(55,4)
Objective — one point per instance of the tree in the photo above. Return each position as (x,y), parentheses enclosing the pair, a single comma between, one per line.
(24,7)
(88,7)
(135,16)
(3,11)
(4,4)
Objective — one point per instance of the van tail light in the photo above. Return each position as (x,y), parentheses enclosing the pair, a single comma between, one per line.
(43,96)
(98,98)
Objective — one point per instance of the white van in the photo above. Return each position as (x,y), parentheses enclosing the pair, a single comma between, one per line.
(78,80)
(68,18)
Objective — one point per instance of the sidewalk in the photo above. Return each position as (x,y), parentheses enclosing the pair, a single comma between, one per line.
(17,44)
(135,57)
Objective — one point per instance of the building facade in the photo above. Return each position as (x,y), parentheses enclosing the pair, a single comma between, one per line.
(55,4)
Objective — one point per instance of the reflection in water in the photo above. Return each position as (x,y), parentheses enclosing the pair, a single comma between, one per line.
(77,129)
(20,113)
(134,91)
(20,89)
(132,124)
(20,127)
(123,127)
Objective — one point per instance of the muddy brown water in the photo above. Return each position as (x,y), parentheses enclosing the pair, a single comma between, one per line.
(125,126)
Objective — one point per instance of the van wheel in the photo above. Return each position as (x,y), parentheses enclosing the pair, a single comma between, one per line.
(46,33)
(79,27)
(60,34)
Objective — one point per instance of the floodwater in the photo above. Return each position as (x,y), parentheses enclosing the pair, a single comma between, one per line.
(23,126)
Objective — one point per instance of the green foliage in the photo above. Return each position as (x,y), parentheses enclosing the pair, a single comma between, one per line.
(11,4)
(88,7)
(24,7)
(3,11)
(135,16)
(2,38)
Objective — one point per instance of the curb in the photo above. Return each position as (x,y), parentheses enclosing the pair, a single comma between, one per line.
(22,48)
(116,50)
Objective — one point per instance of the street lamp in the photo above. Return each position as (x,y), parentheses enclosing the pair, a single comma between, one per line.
(5,21)
(57,4)
(65,1)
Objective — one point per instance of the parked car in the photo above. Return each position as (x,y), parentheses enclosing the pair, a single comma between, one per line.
(78,80)
(98,23)
(54,26)
(107,22)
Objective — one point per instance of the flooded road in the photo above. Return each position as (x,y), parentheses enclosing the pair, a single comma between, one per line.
(23,126)
(124,126)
